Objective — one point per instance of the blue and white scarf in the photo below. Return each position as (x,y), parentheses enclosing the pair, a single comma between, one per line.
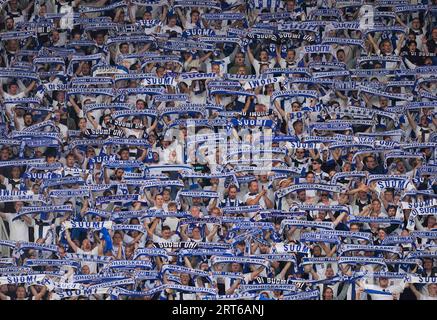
(308,186)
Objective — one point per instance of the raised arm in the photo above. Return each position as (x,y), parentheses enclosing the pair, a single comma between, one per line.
(131,10)
(411,121)
(15,117)
(279,109)
(255,201)
(71,242)
(414,290)
(106,175)
(419,225)
(205,57)
(154,124)
(339,218)
(93,121)
(183,233)
(373,43)
(213,202)
(330,252)
(30,88)
(400,42)
(181,17)
(164,14)
(151,230)
(255,273)
(36,295)
(187,262)
(143,154)
(250,55)
(278,54)
(120,252)
(247,103)
(268,202)
(233,53)
(76,107)
(29,6)
(400,21)
(212,233)
(233,287)
(84,207)
(284,270)
(314,274)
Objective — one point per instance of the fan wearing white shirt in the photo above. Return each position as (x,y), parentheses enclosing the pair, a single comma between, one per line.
(171,222)
(386,49)
(263,60)
(159,205)
(15,93)
(290,59)
(166,234)
(419,31)
(22,119)
(86,248)
(420,295)
(256,197)
(171,25)
(231,284)
(196,234)
(63,129)
(423,129)
(320,176)
(195,21)
(179,295)
(392,291)
(19,228)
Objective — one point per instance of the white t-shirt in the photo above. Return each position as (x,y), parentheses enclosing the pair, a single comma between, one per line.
(127,239)
(391,289)
(261,202)
(173,238)
(257,65)
(91,265)
(175,28)
(9,106)
(19,230)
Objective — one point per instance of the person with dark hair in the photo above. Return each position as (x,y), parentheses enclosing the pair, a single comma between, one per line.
(230,199)
(412,53)
(171,25)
